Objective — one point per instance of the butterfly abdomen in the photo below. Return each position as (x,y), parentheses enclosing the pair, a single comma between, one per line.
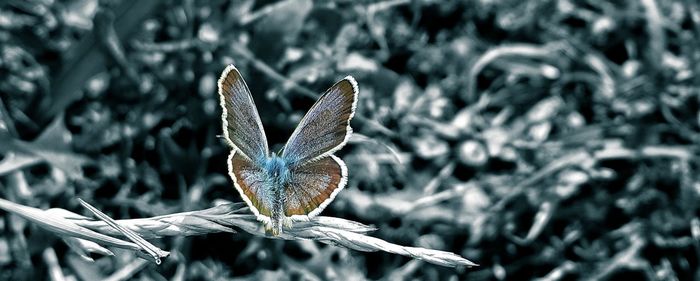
(278,176)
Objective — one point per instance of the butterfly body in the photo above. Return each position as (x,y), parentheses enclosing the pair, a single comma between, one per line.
(300,182)
(277,177)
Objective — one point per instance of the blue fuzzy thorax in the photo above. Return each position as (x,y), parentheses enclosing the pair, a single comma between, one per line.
(277,170)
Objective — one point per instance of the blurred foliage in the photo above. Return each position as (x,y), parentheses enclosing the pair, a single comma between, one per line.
(553,139)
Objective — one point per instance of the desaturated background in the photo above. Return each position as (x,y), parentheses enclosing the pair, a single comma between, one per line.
(553,139)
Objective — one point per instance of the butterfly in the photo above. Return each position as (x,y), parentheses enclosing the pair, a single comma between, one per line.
(304,177)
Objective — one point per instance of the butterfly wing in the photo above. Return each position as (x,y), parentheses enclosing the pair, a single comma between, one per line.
(326,127)
(242,127)
(249,179)
(313,186)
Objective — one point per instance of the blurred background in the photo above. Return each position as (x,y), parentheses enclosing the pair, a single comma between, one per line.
(549,140)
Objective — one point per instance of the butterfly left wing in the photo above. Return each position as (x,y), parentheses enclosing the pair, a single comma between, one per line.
(313,186)
(249,179)
(326,127)
(242,127)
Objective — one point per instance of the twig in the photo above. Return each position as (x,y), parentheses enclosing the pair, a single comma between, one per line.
(385,5)
(62,226)
(365,243)
(489,56)
(262,12)
(154,252)
(551,168)
(166,47)
(628,258)
(695,233)
(607,83)
(55,272)
(222,218)
(127,272)
(404,272)
(583,158)
(272,73)
(559,272)
(357,137)
(542,218)
(108,39)
(435,182)
(657,38)
(84,247)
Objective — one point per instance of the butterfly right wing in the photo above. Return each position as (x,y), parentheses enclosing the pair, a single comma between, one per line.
(314,186)
(243,130)
(326,126)
(249,179)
